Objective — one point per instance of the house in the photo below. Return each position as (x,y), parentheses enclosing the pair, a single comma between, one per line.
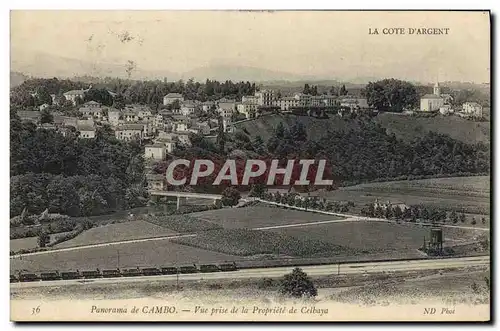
(155,182)
(432,102)
(354,103)
(472,109)
(92,104)
(93,111)
(250,98)
(168,142)
(129,131)
(207,105)
(288,102)
(73,95)
(155,151)
(114,117)
(248,108)
(226,109)
(266,98)
(188,108)
(171,97)
(402,206)
(86,131)
(47,126)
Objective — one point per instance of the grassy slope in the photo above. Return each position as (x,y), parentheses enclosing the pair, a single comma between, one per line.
(404,127)
(117,232)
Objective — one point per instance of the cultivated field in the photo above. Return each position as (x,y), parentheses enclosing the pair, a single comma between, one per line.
(23,243)
(117,232)
(468,194)
(250,242)
(259,216)
(152,253)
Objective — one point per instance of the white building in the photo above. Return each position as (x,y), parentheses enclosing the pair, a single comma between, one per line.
(155,152)
(114,117)
(74,94)
(188,108)
(473,109)
(171,97)
(288,102)
(266,98)
(129,132)
(247,108)
(226,109)
(432,102)
(354,103)
(86,131)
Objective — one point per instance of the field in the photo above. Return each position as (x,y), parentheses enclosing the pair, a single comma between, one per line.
(152,253)
(117,232)
(23,243)
(468,194)
(408,128)
(404,127)
(259,216)
(375,237)
(249,242)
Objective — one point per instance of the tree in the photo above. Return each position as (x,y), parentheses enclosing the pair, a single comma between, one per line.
(343,90)
(257,190)
(483,220)
(454,217)
(46,116)
(391,95)
(462,217)
(230,196)
(473,222)
(43,239)
(298,284)
(98,95)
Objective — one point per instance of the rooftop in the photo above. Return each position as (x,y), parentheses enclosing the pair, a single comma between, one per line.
(173,95)
(138,127)
(431,96)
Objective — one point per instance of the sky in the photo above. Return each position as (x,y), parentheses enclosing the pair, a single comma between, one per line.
(326,44)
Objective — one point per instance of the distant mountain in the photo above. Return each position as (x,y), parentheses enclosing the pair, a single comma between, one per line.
(44,65)
(17,78)
(239,73)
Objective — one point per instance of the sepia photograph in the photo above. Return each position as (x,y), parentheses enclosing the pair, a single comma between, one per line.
(250,165)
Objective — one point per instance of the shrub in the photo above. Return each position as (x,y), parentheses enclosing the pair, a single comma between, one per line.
(298,284)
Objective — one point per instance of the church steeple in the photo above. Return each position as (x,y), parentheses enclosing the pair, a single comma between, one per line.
(437,89)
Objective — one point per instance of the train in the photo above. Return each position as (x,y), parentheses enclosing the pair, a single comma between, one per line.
(114,273)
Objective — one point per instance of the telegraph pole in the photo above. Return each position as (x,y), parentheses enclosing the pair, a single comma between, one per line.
(338,269)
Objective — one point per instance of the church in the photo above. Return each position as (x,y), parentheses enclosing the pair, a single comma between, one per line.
(435,101)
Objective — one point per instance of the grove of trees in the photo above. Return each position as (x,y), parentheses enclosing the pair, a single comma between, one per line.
(391,95)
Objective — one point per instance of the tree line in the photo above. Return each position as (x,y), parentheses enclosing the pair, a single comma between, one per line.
(71,176)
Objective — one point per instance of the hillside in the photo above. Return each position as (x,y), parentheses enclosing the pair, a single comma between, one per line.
(456,127)
(402,126)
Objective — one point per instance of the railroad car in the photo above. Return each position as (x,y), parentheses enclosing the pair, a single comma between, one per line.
(28,277)
(169,270)
(228,267)
(111,273)
(50,275)
(134,272)
(151,271)
(188,269)
(70,275)
(209,268)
